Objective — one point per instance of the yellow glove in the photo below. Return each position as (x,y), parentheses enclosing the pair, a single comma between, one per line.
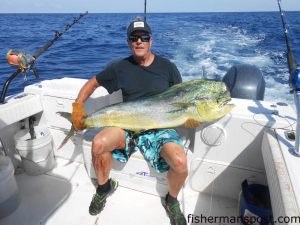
(78,115)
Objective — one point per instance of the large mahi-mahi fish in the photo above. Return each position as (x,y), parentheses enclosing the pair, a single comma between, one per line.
(196,100)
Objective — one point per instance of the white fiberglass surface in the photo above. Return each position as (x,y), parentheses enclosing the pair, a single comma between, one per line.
(63,195)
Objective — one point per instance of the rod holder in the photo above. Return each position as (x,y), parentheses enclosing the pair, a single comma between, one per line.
(294,82)
(296,149)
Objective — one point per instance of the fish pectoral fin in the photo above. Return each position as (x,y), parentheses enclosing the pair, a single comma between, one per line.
(191,123)
(181,104)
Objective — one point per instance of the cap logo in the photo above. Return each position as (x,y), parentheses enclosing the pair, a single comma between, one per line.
(138,24)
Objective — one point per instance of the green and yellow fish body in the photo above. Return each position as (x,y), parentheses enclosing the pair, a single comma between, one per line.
(196,100)
(200,100)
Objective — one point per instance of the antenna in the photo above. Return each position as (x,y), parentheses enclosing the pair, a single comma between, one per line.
(145,10)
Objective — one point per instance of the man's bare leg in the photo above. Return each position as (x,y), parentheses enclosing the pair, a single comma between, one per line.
(176,158)
(103,144)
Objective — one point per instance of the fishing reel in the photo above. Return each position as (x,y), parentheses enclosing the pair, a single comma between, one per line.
(23,60)
(294,80)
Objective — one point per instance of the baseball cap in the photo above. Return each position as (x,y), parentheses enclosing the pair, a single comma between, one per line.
(138,24)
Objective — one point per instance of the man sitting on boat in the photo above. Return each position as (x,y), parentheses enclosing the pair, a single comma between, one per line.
(140,75)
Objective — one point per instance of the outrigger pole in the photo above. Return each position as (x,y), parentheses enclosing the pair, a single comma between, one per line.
(294,80)
(26,62)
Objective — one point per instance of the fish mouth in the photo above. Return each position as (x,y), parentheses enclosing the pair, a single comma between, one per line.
(224,103)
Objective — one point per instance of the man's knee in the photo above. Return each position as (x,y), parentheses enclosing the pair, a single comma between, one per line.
(176,158)
(107,140)
(98,145)
(179,164)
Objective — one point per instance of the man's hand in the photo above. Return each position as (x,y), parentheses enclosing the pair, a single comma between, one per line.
(78,115)
(191,123)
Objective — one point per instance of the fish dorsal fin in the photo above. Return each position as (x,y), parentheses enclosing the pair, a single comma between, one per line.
(191,123)
(182,105)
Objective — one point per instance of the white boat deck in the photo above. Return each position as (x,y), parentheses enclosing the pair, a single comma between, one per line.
(210,196)
(63,195)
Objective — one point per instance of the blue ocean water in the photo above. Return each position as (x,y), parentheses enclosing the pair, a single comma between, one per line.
(193,41)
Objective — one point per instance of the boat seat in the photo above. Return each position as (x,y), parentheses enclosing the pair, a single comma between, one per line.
(136,174)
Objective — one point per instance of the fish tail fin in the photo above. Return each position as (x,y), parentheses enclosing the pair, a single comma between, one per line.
(71,133)
(65,115)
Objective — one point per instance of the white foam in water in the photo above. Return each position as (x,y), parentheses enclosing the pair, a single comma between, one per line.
(274,95)
(218,49)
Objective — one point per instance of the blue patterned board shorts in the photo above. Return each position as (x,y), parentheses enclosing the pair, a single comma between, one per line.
(149,143)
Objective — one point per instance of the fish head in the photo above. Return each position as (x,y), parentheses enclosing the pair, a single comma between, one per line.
(214,103)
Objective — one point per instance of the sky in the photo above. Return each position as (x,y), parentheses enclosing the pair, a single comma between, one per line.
(121,6)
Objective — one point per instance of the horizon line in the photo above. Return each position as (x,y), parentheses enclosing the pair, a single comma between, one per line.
(149,12)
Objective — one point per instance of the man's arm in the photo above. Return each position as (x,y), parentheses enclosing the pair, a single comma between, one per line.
(87,90)
(78,112)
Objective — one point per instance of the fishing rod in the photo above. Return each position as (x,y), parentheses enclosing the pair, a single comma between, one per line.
(292,64)
(294,79)
(26,62)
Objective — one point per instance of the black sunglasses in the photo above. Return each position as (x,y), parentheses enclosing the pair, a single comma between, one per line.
(135,38)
